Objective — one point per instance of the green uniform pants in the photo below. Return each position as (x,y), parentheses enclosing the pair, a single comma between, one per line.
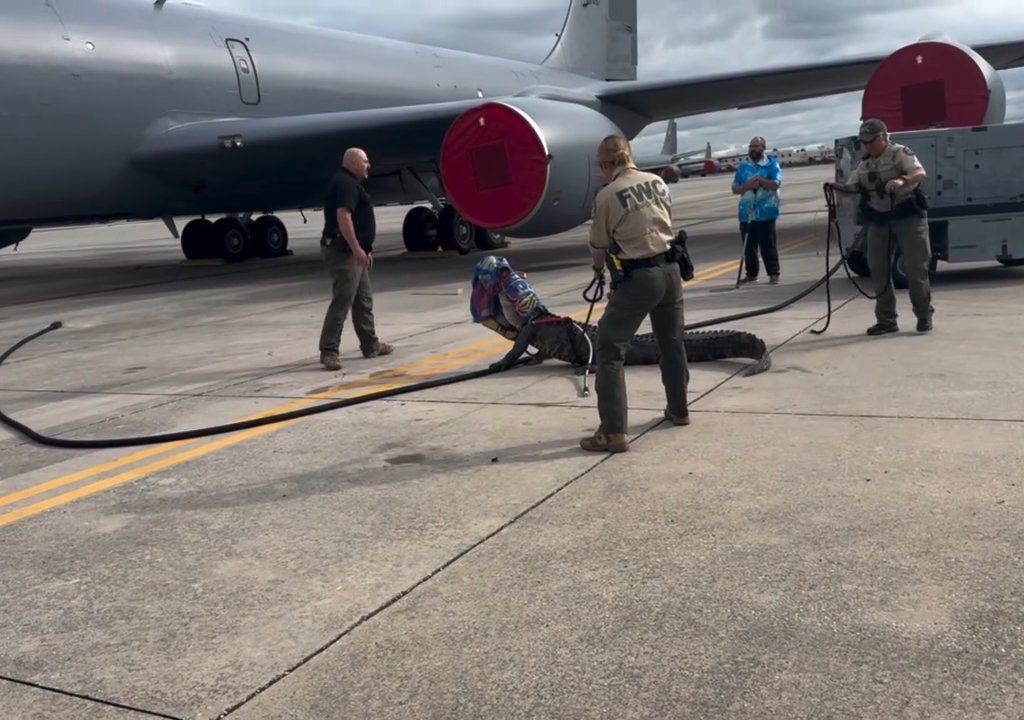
(911,237)
(658,292)
(351,291)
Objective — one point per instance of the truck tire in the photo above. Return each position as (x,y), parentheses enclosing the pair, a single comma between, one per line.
(899,276)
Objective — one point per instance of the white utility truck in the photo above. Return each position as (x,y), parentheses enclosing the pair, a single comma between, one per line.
(975,191)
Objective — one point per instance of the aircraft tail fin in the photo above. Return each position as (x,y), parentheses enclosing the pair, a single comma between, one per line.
(707,152)
(598,40)
(671,146)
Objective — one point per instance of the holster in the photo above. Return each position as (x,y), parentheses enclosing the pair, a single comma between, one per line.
(679,254)
(336,241)
(920,199)
(617,272)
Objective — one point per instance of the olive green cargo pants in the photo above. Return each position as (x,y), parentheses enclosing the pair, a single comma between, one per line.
(351,291)
(658,292)
(911,237)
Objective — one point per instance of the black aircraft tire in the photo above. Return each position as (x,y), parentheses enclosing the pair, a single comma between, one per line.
(231,239)
(455,232)
(419,230)
(487,240)
(269,237)
(197,239)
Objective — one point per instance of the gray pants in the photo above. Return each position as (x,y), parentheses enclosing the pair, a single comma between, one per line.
(351,291)
(911,237)
(654,291)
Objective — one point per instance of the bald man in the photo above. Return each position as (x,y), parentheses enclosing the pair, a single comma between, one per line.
(346,247)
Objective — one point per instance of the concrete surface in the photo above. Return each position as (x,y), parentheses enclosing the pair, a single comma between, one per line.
(838,537)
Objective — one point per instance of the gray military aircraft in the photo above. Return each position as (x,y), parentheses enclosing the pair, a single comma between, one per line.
(670,161)
(123,109)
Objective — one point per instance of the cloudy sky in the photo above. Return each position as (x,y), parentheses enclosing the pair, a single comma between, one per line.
(690,38)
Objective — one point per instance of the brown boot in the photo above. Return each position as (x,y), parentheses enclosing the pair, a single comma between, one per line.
(677,419)
(601,442)
(382,348)
(330,361)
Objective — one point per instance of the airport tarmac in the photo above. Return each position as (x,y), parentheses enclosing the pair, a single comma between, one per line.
(838,537)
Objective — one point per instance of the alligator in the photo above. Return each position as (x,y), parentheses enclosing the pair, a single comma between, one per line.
(505,303)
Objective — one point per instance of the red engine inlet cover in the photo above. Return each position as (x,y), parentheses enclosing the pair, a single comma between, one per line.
(710,166)
(930,84)
(494,165)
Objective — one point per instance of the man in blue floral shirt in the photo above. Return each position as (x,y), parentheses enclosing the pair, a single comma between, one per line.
(757,182)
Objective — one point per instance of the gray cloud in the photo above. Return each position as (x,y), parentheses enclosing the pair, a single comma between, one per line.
(691,39)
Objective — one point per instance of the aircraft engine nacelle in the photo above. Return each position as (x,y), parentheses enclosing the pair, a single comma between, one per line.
(525,167)
(934,83)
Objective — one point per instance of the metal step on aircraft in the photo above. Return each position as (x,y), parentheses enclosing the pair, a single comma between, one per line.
(124,109)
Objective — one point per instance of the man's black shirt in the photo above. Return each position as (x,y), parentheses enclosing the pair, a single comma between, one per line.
(345,190)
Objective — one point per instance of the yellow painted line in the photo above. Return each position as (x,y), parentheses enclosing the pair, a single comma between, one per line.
(88,472)
(196,452)
(718,269)
(372,382)
(416,371)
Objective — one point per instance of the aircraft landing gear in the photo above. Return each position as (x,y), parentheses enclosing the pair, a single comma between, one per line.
(419,230)
(269,236)
(231,239)
(425,231)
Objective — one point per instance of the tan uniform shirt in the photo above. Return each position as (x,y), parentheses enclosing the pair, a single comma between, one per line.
(874,172)
(635,211)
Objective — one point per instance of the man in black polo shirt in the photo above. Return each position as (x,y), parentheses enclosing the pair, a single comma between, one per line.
(346,247)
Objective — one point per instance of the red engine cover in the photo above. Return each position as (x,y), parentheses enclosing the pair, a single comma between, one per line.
(495,165)
(931,84)
(710,166)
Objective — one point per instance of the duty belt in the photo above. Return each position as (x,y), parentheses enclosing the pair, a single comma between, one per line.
(653,261)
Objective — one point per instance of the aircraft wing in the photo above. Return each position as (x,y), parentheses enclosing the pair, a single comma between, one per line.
(282,160)
(663,99)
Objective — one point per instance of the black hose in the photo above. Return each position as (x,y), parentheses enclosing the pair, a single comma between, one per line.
(830,201)
(765,311)
(219,429)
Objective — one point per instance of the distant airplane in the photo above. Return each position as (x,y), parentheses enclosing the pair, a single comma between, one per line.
(119,109)
(670,161)
(702,166)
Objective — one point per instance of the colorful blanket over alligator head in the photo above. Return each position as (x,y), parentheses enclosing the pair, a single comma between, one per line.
(504,302)
(501,296)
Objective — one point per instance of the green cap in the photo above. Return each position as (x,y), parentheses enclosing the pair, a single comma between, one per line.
(870,129)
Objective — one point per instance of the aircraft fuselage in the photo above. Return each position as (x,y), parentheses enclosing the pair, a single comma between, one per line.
(84,81)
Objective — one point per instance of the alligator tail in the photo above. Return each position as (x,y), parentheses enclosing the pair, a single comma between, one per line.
(721,344)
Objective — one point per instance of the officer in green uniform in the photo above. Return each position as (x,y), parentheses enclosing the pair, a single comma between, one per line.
(631,234)
(893,208)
